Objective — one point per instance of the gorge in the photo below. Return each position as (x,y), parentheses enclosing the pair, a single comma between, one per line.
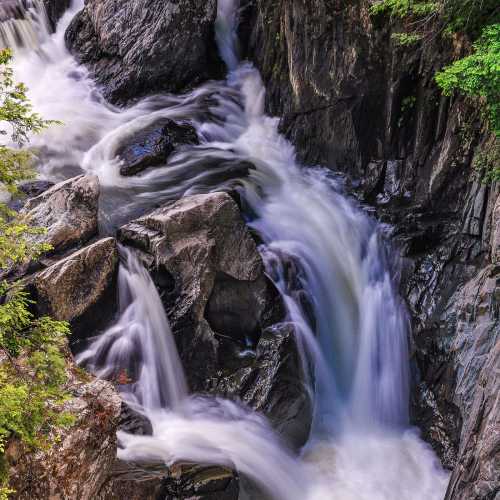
(267,329)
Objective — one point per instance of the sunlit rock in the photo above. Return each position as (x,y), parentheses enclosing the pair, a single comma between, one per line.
(68,212)
(80,288)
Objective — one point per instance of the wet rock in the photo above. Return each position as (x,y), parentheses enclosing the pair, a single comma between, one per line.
(79,288)
(353,101)
(273,382)
(55,10)
(180,481)
(224,312)
(80,457)
(67,210)
(136,47)
(152,146)
(477,362)
(134,422)
(495,232)
(201,482)
(29,189)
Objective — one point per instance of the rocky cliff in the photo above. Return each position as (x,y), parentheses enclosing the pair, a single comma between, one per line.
(351,99)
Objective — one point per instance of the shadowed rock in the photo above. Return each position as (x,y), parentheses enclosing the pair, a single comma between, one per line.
(136,47)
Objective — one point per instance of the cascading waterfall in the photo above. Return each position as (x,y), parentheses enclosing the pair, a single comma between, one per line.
(361,446)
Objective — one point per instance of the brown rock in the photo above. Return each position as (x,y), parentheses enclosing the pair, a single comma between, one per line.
(67,210)
(80,288)
(80,457)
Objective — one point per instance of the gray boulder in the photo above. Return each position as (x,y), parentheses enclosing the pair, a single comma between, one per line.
(68,211)
(79,288)
(136,47)
(225,313)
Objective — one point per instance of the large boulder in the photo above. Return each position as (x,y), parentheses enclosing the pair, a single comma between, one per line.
(79,288)
(68,212)
(225,313)
(135,47)
(80,458)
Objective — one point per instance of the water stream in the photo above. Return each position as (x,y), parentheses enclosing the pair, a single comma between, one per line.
(361,446)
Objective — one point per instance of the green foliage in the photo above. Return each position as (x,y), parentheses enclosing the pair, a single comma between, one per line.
(404,8)
(33,373)
(17,121)
(478,75)
(487,162)
(406,39)
(32,361)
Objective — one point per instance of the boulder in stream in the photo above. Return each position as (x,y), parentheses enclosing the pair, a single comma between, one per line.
(136,47)
(152,146)
(226,315)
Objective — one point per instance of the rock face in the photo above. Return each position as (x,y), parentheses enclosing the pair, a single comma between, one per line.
(351,99)
(220,304)
(152,146)
(79,288)
(135,47)
(477,364)
(80,458)
(67,210)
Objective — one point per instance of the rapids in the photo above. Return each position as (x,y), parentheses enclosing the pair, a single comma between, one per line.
(361,445)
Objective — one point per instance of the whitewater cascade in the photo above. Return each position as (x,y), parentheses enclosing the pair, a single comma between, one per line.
(361,446)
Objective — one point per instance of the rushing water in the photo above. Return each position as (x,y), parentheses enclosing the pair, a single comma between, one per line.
(361,446)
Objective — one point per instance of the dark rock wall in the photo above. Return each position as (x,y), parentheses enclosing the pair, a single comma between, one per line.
(349,99)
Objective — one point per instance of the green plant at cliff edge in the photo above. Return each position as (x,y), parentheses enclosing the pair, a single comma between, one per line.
(32,363)
(478,75)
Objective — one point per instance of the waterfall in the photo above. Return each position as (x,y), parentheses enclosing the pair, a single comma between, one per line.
(24,24)
(140,344)
(361,446)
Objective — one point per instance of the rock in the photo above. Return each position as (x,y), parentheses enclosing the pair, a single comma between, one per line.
(353,101)
(201,482)
(180,481)
(80,457)
(55,10)
(134,422)
(495,233)
(29,189)
(67,210)
(80,288)
(273,382)
(222,307)
(152,146)
(136,47)
(477,345)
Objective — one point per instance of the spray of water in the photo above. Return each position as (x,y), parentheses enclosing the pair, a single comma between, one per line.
(361,446)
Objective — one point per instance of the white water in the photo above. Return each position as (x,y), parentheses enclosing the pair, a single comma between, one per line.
(361,446)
